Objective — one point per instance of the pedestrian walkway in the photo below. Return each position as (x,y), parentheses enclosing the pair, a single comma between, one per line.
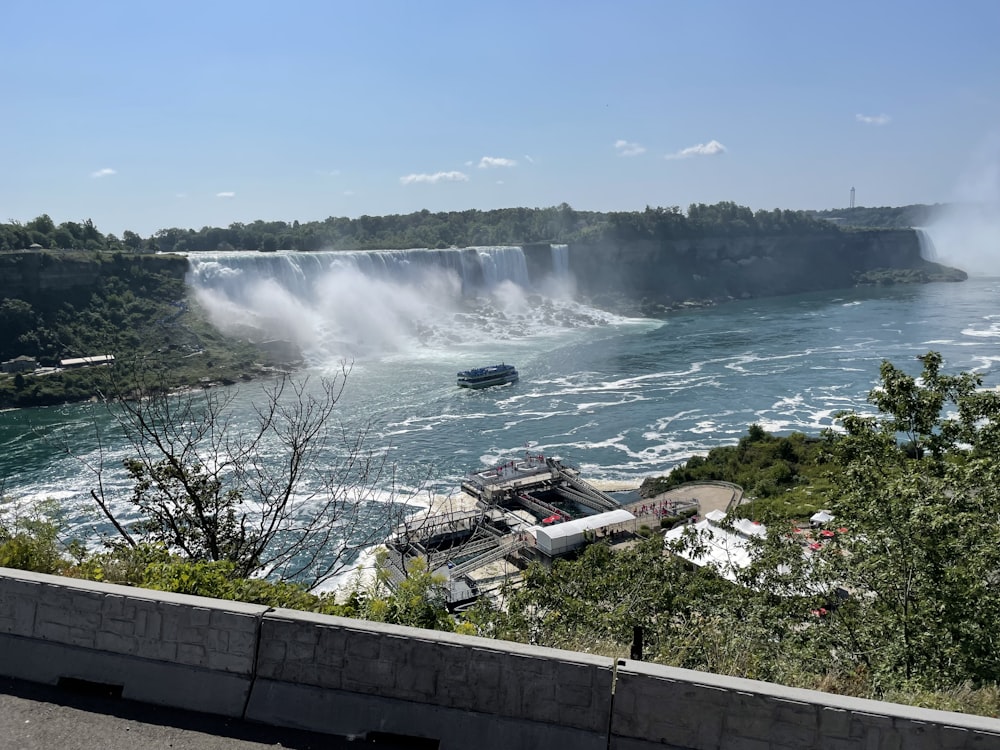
(42,717)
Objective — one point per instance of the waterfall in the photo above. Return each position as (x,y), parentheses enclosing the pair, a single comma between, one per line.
(301,274)
(927,249)
(967,236)
(372,303)
(560,261)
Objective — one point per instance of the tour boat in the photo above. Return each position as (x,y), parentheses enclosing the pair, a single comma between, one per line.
(483,377)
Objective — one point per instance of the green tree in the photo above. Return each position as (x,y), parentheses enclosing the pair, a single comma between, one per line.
(42,224)
(131,240)
(29,537)
(920,497)
(419,600)
(17,317)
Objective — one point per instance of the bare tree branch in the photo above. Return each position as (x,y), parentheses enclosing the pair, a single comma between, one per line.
(291,493)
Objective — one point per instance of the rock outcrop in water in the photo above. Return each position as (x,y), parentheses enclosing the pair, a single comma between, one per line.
(650,276)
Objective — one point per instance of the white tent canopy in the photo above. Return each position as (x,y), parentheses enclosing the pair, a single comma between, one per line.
(563,537)
(719,548)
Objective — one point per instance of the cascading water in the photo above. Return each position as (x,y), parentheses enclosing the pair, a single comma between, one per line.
(560,261)
(354,305)
(928,251)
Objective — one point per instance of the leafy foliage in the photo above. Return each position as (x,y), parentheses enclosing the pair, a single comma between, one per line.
(29,539)
(505,226)
(418,600)
(881,217)
(135,306)
(509,226)
(920,493)
(784,476)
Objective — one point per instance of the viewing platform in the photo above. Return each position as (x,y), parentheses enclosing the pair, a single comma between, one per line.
(530,508)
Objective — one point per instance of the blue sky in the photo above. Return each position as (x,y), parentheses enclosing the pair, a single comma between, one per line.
(145,115)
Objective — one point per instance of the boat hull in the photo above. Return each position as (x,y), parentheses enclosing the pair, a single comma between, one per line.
(475,384)
(486,377)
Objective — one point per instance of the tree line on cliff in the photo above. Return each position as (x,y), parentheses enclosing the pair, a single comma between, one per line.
(506,226)
(882,217)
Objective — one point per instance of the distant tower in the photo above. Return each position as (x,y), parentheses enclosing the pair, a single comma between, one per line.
(852,197)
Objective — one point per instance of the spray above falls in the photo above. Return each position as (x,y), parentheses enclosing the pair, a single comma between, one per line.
(372,303)
(967,235)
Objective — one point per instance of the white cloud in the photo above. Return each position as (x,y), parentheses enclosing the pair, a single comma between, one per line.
(882,119)
(529,159)
(628,148)
(701,149)
(106,172)
(226,194)
(434,178)
(496,161)
(348,193)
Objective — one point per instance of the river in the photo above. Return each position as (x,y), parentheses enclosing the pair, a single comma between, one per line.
(621,398)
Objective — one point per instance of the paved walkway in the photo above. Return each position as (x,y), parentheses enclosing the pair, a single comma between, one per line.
(41,717)
(710,496)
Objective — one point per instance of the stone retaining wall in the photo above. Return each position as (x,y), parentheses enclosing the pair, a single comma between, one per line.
(343,676)
(171,649)
(660,707)
(349,676)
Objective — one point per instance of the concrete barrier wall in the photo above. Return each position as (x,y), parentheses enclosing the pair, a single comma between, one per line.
(349,677)
(343,676)
(659,707)
(169,649)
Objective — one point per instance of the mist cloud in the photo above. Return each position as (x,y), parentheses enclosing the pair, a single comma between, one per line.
(432,179)
(711,148)
(226,194)
(966,234)
(106,172)
(628,148)
(882,119)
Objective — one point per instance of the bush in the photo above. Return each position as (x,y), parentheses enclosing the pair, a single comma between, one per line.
(30,541)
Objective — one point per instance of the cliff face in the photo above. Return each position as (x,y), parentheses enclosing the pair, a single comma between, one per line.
(712,269)
(48,279)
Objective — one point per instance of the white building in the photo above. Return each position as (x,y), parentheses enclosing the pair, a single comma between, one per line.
(561,538)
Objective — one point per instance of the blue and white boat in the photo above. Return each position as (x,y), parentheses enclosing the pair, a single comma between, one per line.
(484,377)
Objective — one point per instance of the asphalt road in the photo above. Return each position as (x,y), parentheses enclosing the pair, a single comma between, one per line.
(41,717)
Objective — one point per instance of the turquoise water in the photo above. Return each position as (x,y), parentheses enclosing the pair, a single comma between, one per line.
(621,398)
